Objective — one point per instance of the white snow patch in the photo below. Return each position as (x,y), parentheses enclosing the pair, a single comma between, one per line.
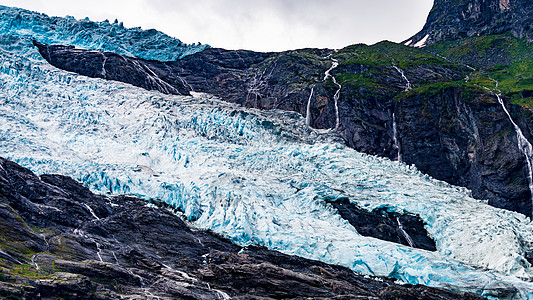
(422,42)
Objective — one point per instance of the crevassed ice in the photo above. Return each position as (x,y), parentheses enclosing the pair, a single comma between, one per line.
(18,27)
(256,177)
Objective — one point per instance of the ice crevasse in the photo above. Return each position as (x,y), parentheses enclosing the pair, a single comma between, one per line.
(257,177)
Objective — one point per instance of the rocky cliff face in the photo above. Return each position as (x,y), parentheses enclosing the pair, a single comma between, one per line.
(456,19)
(57,239)
(466,138)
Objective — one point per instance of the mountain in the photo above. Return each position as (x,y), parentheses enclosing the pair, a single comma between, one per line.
(387,160)
(448,120)
(60,240)
(456,19)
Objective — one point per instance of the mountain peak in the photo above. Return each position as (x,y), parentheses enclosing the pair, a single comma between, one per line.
(456,19)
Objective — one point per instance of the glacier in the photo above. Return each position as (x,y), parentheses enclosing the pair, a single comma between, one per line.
(18,27)
(256,177)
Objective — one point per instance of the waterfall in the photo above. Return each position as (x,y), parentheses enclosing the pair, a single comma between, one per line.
(103,72)
(405,234)
(91,211)
(408,86)
(523,144)
(308,118)
(337,93)
(396,144)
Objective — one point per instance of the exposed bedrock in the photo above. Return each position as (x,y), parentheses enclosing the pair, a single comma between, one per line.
(456,19)
(402,229)
(60,240)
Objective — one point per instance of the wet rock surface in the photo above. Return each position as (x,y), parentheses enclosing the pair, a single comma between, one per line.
(467,141)
(58,240)
(402,229)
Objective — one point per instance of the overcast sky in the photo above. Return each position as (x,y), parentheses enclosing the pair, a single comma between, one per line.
(271,25)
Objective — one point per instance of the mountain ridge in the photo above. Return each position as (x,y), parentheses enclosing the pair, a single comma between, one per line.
(455,19)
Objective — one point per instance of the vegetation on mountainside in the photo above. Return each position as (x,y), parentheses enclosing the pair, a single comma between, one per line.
(368,71)
(496,58)
(387,54)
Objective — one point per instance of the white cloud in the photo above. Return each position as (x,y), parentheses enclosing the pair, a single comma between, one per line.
(257,25)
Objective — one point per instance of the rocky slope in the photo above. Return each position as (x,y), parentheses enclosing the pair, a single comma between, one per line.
(456,19)
(57,239)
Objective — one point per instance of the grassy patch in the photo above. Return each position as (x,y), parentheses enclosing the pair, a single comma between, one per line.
(27,271)
(517,99)
(385,54)
(468,91)
(507,59)
(515,78)
(512,49)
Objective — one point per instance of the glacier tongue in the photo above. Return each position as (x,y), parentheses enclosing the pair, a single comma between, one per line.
(258,177)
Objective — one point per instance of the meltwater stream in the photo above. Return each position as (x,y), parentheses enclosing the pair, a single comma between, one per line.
(327,74)
(408,85)
(257,177)
(395,141)
(523,145)
(308,117)
(404,233)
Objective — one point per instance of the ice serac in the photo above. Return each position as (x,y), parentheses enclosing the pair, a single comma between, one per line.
(18,27)
(257,177)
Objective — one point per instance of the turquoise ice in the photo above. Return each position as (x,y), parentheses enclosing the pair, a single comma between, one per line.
(257,177)
(18,27)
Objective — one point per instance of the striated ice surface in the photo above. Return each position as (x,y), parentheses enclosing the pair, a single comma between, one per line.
(257,177)
(18,27)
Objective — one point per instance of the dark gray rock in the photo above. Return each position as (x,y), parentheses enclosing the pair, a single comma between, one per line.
(468,142)
(386,225)
(455,19)
(127,250)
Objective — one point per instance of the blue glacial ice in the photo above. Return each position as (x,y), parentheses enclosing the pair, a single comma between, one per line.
(257,177)
(18,27)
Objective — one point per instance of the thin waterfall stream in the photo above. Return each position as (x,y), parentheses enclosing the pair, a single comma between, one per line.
(395,140)
(337,93)
(308,118)
(408,85)
(405,234)
(523,144)
(396,143)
